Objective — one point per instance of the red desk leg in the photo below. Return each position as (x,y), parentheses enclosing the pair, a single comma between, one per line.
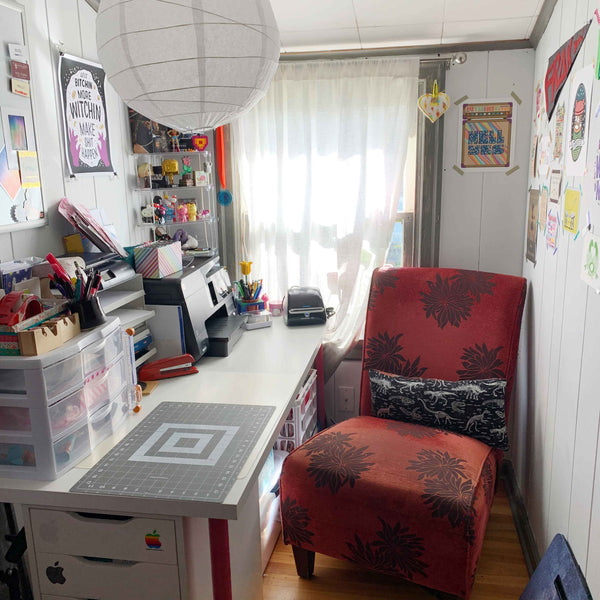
(218,531)
(320,388)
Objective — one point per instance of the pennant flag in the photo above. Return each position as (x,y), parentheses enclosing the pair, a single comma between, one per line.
(559,67)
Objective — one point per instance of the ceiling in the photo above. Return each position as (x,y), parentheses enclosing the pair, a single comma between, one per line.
(313,25)
(325,25)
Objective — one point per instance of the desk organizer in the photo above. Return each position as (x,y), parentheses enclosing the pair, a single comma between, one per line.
(56,407)
(255,305)
(158,260)
(301,422)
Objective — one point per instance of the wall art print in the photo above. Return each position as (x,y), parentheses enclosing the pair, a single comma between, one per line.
(532,225)
(487,134)
(552,228)
(559,127)
(571,210)
(543,210)
(590,265)
(578,121)
(85,121)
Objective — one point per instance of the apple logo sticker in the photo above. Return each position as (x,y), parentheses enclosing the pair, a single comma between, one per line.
(152,541)
(55,574)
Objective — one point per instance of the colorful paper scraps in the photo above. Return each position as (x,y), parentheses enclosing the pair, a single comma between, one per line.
(532,225)
(571,210)
(555,180)
(590,264)
(9,178)
(559,127)
(544,156)
(552,228)
(559,67)
(579,119)
(434,105)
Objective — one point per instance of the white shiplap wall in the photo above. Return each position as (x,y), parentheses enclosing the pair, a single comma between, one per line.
(483,213)
(558,405)
(72,23)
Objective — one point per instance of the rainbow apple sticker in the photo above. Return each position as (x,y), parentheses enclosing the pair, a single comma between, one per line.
(152,540)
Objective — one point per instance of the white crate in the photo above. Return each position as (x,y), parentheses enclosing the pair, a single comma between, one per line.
(301,421)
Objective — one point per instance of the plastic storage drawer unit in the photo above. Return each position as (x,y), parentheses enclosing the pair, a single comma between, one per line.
(47,403)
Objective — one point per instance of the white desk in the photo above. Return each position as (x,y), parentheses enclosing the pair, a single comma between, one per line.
(267,366)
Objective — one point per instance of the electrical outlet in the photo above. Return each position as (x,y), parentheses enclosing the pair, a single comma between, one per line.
(346,399)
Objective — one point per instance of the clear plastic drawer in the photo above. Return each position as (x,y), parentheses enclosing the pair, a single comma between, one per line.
(66,412)
(107,419)
(15,419)
(97,356)
(69,450)
(17,454)
(63,376)
(104,385)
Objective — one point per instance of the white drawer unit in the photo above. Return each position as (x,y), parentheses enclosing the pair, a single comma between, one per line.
(103,556)
(56,407)
(87,577)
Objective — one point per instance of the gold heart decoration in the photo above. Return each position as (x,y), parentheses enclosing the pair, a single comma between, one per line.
(434,105)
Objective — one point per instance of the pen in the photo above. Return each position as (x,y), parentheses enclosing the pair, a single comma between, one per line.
(56,266)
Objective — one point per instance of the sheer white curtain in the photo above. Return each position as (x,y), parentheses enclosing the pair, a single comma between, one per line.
(318,167)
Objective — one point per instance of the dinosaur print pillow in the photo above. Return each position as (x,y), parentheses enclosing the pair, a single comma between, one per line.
(474,408)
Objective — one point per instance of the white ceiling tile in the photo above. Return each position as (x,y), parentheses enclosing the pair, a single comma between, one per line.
(322,39)
(313,14)
(485,31)
(489,10)
(397,12)
(401,35)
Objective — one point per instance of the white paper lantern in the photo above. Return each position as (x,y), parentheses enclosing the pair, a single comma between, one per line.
(188,64)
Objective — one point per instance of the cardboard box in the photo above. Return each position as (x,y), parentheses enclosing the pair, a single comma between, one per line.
(53,334)
(157,260)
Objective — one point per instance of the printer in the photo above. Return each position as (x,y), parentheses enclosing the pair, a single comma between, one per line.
(210,323)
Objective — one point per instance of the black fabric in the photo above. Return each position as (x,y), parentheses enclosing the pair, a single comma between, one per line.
(474,408)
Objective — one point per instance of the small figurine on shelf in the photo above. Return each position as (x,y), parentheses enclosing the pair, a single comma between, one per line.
(186,163)
(170,167)
(182,213)
(204,214)
(169,213)
(144,180)
(192,210)
(174,136)
(159,212)
(148,214)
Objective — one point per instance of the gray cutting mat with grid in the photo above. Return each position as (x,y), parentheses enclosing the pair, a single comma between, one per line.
(180,451)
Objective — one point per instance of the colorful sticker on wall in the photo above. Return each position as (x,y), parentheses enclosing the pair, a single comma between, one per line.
(552,228)
(578,121)
(486,134)
(533,157)
(597,176)
(559,126)
(539,102)
(544,156)
(559,67)
(571,210)
(590,265)
(555,179)
(532,225)
(543,210)
(153,541)
(85,121)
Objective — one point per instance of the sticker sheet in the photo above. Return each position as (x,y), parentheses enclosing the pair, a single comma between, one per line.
(578,121)
(591,260)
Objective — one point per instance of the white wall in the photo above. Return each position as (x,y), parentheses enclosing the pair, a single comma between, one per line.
(558,408)
(483,214)
(71,22)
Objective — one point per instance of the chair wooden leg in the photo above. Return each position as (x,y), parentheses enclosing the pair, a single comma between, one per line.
(305,562)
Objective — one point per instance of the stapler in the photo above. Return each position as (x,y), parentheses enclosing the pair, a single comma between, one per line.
(168,367)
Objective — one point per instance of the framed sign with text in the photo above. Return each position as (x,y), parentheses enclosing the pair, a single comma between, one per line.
(486,138)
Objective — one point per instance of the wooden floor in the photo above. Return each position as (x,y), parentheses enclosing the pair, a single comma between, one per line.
(501,574)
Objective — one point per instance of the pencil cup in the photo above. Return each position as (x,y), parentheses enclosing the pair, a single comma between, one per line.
(90,312)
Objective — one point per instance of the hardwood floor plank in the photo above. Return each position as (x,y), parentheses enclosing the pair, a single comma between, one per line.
(501,575)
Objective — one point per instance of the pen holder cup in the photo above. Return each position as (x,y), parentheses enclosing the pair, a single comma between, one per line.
(90,312)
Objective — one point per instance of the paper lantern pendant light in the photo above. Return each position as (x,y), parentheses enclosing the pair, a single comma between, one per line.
(188,64)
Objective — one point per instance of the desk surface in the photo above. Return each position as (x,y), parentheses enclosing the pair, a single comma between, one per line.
(267,366)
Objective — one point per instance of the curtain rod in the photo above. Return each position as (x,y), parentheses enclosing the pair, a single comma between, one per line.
(442,53)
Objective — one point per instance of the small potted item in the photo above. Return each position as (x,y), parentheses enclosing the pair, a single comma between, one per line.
(170,167)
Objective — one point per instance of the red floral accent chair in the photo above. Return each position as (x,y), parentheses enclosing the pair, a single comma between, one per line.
(411,495)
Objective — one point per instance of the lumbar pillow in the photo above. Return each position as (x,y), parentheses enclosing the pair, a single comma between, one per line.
(474,408)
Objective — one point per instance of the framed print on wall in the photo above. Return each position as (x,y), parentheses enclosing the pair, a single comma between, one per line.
(487,134)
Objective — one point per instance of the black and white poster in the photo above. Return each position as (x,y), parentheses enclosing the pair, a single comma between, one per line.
(85,122)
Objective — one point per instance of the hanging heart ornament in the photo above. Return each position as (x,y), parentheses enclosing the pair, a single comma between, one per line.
(434,105)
